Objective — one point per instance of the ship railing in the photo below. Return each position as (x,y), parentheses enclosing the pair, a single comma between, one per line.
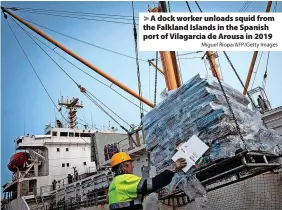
(93,198)
(46,190)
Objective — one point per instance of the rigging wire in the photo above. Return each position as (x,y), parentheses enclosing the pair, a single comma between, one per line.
(80,18)
(65,11)
(225,96)
(190,53)
(156,79)
(33,67)
(85,71)
(88,43)
(70,76)
(191,58)
(238,76)
(188,6)
(37,74)
(245,6)
(137,61)
(266,67)
(198,6)
(230,108)
(149,82)
(220,69)
(265,73)
(75,15)
(180,74)
(86,123)
(108,108)
(207,68)
(179,67)
(186,54)
(255,73)
(109,86)
(99,106)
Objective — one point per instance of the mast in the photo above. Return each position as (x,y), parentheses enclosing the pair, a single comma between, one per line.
(72,105)
(253,62)
(211,56)
(77,57)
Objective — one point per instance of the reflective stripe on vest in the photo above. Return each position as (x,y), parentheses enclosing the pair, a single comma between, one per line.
(125,204)
(124,189)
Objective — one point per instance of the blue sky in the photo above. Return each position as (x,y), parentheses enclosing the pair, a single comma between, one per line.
(24,98)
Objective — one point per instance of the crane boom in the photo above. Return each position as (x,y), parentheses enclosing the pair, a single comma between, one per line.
(79,58)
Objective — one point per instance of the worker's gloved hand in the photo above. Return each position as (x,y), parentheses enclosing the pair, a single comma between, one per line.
(179,164)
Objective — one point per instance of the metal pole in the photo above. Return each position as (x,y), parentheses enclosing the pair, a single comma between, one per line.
(82,60)
(253,62)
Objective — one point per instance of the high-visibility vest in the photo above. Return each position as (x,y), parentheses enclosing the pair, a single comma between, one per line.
(125,191)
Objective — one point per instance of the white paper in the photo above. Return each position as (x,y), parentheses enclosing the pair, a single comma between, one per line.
(191,150)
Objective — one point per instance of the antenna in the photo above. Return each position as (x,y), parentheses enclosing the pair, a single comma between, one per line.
(72,105)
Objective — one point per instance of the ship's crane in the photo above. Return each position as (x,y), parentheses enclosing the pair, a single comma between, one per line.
(169,62)
(237,165)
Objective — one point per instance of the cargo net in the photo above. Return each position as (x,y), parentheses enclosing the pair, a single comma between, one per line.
(200,108)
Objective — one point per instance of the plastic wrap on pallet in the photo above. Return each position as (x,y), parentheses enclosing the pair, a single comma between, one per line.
(265,140)
(199,108)
(189,184)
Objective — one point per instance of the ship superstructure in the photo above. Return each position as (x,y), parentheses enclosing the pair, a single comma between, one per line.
(62,155)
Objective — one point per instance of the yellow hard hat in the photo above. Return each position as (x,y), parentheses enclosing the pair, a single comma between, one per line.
(119,157)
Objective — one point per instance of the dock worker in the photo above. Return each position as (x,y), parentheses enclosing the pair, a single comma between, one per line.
(127,190)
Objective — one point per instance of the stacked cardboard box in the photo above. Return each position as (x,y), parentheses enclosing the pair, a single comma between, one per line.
(200,108)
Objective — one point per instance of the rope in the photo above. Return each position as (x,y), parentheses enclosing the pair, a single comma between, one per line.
(137,61)
(88,43)
(156,79)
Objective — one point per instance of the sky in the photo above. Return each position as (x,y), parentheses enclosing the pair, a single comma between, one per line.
(25,106)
